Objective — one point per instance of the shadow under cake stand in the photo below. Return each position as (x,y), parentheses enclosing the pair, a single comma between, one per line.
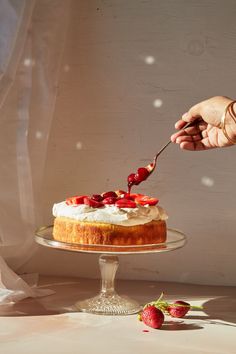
(108,302)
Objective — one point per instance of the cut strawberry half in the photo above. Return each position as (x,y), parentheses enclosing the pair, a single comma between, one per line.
(146,200)
(109,200)
(97,197)
(120,192)
(125,203)
(132,196)
(76,200)
(109,194)
(128,196)
(92,203)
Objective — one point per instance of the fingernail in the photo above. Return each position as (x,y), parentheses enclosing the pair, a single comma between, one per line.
(176,125)
(185,115)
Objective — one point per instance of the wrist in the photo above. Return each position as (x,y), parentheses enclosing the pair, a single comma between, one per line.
(231,121)
(228,122)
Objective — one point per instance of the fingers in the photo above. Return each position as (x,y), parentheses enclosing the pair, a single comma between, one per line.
(191,138)
(192,146)
(194,142)
(180,124)
(199,128)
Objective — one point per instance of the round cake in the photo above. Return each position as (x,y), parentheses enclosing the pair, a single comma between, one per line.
(112,218)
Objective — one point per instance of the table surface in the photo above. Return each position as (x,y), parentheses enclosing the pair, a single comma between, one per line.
(51,324)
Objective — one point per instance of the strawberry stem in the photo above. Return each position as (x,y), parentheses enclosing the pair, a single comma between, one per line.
(163,305)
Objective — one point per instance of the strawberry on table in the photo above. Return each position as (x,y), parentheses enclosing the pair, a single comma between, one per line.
(153,312)
(178,308)
(152,317)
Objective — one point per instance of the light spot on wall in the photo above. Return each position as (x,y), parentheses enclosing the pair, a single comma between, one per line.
(207,181)
(66,68)
(157,103)
(149,60)
(38,135)
(29,62)
(79,145)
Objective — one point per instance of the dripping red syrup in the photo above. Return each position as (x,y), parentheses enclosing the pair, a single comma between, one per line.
(141,175)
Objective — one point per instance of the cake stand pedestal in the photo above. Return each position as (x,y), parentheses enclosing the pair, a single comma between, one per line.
(108,302)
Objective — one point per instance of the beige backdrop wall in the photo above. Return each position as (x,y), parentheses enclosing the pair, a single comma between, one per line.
(129,70)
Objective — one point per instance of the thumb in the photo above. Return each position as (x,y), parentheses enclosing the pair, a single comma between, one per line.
(193,113)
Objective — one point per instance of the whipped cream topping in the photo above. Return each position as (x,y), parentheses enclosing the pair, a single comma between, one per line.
(110,214)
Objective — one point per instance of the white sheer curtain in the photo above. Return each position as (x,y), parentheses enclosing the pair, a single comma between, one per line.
(32,38)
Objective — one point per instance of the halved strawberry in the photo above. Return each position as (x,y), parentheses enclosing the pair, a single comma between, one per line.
(131,196)
(109,200)
(97,197)
(92,203)
(109,194)
(128,196)
(120,192)
(136,195)
(125,203)
(146,200)
(76,200)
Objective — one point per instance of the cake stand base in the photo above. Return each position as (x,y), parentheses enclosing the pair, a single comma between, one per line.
(108,302)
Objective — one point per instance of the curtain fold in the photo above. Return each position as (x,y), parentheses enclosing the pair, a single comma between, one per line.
(32,39)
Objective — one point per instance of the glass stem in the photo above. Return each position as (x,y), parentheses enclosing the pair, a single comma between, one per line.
(108,267)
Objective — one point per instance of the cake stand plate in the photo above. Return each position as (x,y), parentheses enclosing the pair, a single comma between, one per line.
(108,302)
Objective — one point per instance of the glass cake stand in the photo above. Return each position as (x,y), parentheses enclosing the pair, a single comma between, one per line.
(108,302)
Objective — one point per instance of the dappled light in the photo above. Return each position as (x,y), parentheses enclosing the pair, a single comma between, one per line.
(149,60)
(29,62)
(79,145)
(157,103)
(207,181)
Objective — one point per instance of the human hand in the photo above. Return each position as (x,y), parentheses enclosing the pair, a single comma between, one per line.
(207,132)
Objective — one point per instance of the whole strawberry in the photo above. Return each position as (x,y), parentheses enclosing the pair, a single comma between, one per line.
(178,308)
(152,316)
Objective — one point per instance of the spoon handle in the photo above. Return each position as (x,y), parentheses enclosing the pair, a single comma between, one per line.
(165,146)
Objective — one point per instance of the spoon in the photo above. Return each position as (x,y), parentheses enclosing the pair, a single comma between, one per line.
(144,172)
(151,166)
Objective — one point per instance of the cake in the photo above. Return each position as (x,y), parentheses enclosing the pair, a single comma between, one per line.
(112,218)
